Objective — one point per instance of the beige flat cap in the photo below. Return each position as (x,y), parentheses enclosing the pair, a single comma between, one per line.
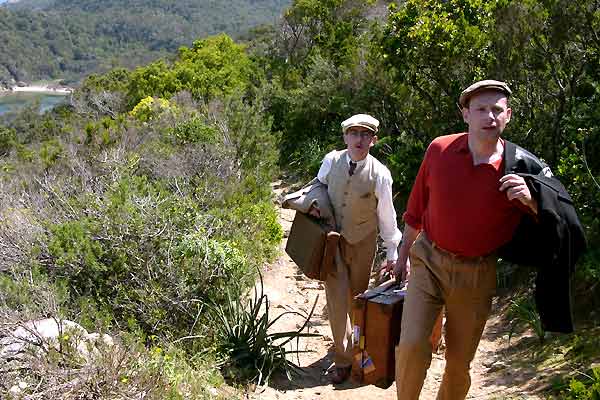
(363,120)
(488,84)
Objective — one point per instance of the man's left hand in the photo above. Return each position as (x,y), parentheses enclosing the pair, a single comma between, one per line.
(389,265)
(516,188)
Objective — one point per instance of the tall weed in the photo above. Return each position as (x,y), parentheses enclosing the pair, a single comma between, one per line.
(522,311)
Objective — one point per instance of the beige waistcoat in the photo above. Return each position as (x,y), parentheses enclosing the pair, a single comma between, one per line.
(353,198)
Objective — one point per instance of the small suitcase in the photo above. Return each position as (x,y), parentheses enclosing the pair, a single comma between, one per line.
(377,314)
(312,246)
(377,317)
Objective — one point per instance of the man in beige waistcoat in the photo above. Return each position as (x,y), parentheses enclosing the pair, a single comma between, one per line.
(360,190)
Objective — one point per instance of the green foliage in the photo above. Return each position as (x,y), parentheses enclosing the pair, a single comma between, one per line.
(72,39)
(310,114)
(7,138)
(522,310)
(50,152)
(76,252)
(251,353)
(29,292)
(327,26)
(193,130)
(199,257)
(253,226)
(124,258)
(212,67)
(252,137)
(169,218)
(588,388)
(115,80)
(150,108)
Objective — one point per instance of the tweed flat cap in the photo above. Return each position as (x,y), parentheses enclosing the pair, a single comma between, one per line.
(480,86)
(363,120)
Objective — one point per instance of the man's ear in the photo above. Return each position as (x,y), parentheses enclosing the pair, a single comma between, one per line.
(508,114)
(373,141)
(465,114)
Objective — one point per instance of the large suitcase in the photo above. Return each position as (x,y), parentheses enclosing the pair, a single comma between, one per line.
(312,246)
(377,314)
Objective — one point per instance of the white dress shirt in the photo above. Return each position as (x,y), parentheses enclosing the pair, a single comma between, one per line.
(386,214)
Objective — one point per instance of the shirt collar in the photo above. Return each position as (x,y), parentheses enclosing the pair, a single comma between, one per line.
(358,163)
(462,144)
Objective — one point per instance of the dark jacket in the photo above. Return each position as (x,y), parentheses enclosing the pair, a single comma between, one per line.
(552,241)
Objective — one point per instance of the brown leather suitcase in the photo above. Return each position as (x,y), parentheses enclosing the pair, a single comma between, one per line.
(312,246)
(377,314)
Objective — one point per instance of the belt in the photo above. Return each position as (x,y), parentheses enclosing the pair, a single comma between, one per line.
(454,255)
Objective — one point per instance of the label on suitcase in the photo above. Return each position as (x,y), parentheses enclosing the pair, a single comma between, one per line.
(377,314)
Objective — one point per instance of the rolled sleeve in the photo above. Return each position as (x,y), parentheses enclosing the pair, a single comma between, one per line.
(419,195)
(323,173)
(386,215)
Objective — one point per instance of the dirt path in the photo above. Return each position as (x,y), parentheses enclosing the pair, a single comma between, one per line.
(288,289)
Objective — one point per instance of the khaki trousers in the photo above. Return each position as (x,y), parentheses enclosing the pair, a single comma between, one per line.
(351,277)
(466,287)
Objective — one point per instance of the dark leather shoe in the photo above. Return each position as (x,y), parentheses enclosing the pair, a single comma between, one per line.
(340,375)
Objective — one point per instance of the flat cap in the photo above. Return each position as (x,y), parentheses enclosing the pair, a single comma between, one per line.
(364,120)
(488,84)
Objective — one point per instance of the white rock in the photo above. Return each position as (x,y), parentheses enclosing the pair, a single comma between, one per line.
(45,333)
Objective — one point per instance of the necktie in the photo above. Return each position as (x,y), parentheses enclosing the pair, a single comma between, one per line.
(352,168)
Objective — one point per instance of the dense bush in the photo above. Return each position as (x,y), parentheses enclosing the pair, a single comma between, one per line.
(140,220)
(584,387)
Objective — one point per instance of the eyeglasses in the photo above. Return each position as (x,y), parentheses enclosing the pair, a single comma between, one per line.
(360,134)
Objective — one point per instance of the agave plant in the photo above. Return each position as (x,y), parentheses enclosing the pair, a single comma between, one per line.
(523,310)
(250,353)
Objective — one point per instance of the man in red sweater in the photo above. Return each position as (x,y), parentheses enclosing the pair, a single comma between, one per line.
(461,209)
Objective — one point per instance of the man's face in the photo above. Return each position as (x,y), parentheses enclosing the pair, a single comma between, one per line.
(359,140)
(487,115)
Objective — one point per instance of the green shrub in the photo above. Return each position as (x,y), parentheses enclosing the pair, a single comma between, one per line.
(30,292)
(73,247)
(148,257)
(522,310)
(588,388)
(193,130)
(207,265)
(253,226)
(150,108)
(7,138)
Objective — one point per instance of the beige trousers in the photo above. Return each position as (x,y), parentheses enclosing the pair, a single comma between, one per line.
(353,269)
(465,286)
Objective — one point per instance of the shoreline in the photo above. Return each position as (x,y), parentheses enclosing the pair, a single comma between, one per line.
(41,89)
(62,91)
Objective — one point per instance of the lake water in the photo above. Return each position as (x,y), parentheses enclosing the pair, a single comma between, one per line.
(14,101)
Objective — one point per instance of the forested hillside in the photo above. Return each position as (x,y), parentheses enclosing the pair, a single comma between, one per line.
(143,208)
(70,39)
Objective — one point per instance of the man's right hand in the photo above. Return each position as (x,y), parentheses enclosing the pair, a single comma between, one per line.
(314,211)
(401,270)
